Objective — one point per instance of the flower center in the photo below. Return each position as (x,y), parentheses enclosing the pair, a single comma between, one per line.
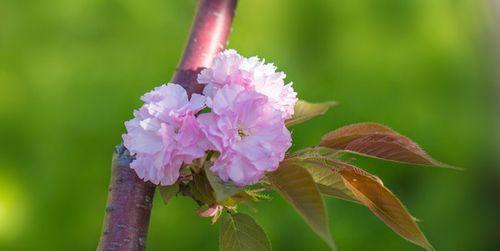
(242,133)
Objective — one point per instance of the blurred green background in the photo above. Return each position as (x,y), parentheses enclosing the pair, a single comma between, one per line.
(72,71)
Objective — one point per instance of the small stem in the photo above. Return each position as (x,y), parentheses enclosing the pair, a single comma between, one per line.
(130,199)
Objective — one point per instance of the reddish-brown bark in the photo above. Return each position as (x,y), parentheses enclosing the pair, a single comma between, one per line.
(130,199)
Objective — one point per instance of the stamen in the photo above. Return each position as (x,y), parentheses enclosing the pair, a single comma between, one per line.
(242,133)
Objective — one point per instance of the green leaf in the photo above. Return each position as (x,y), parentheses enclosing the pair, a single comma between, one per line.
(167,192)
(330,182)
(201,189)
(297,186)
(375,140)
(370,191)
(305,111)
(240,232)
(222,189)
(320,162)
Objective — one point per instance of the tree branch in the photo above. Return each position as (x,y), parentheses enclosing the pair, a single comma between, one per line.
(129,203)
(208,37)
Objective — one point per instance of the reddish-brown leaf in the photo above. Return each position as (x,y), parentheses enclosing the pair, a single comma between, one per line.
(375,140)
(339,138)
(370,191)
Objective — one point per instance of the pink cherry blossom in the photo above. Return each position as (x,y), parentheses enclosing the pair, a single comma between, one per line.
(230,68)
(165,133)
(247,131)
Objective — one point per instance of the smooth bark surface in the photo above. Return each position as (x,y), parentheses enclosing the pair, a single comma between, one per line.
(208,37)
(129,203)
(129,206)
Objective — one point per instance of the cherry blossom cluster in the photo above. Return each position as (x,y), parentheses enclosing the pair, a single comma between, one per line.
(248,103)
